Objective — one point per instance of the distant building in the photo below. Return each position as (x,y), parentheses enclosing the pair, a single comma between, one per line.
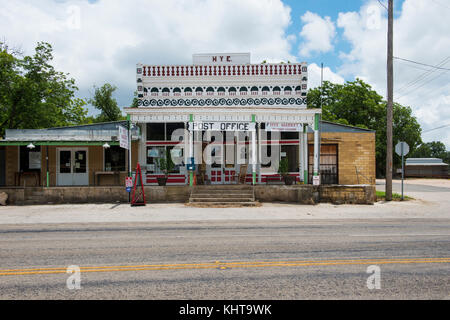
(425,167)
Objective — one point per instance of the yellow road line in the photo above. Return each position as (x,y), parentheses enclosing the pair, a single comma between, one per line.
(222,265)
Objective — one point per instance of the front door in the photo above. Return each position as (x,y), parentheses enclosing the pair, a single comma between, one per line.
(72,167)
(215,169)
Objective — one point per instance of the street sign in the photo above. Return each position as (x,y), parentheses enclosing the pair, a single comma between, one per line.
(123,137)
(128,182)
(402,148)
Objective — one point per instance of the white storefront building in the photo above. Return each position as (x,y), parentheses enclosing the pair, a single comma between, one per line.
(230,109)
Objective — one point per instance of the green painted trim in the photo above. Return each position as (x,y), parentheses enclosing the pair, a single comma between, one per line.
(316,121)
(48,179)
(253,117)
(59,143)
(191,117)
(191,178)
(254,178)
(305,177)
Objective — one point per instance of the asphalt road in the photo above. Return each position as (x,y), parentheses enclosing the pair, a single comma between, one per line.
(298,259)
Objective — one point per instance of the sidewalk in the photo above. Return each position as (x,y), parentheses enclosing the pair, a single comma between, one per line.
(90,213)
(432,201)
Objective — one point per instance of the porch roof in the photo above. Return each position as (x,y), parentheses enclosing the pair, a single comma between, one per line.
(94,134)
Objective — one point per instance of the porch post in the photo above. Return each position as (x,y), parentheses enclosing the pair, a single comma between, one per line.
(254,151)
(191,151)
(305,154)
(300,157)
(316,145)
(258,126)
(143,150)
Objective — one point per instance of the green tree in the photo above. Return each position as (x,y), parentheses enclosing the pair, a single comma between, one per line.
(33,94)
(134,103)
(356,103)
(434,149)
(103,101)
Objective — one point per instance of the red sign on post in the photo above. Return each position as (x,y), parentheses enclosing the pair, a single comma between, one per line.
(128,182)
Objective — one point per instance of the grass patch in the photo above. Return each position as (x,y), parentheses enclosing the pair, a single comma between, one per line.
(381,196)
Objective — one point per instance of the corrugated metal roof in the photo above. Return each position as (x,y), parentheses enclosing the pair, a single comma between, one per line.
(328,126)
(425,162)
(94,133)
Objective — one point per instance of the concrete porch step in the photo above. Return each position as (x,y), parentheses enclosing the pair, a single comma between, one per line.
(224,186)
(222,195)
(221,199)
(224,204)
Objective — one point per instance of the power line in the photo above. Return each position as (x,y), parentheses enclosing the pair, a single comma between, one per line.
(382,4)
(423,76)
(444,126)
(423,64)
(420,86)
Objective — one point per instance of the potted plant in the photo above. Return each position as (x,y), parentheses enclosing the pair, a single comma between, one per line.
(166,165)
(283,169)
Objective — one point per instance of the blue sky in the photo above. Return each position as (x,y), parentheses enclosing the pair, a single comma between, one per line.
(323,8)
(330,8)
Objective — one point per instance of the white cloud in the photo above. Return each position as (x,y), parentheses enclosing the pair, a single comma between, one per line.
(314,75)
(114,35)
(421,32)
(318,34)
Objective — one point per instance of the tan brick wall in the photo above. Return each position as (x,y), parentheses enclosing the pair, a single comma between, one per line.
(356,155)
(12,164)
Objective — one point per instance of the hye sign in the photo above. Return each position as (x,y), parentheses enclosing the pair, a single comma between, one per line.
(221,58)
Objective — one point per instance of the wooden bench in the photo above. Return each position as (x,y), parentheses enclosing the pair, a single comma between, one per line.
(97,175)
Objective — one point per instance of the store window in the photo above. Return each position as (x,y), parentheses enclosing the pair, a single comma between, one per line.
(289,136)
(171,127)
(30,159)
(328,163)
(115,159)
(155,132)
(154,154)
(291,152)
(265,144)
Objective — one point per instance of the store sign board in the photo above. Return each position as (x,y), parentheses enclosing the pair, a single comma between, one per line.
(284,126)
(34,160)
(123,137)
(316,180)
(222,126)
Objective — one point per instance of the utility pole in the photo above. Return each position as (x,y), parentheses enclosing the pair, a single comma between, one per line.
(390,99)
